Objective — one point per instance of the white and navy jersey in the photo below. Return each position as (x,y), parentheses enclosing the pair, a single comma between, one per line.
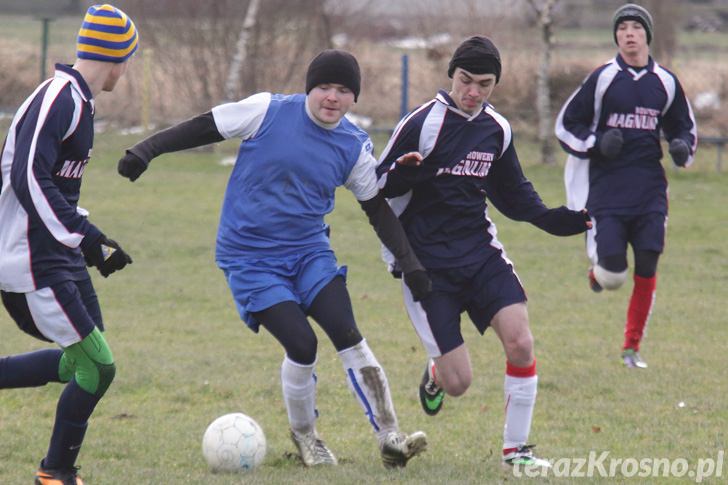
(43,159)
(641,104)
(442,203)
(285,177)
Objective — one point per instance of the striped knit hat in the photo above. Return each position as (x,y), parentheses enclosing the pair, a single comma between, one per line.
(107,34)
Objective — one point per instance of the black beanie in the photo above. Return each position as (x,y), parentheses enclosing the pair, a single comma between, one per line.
(334,66)
(630,11)
(477,55)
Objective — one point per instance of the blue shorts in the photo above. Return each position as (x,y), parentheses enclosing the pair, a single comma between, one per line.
(481,290)
(257,284)
(645,232)
(64,313)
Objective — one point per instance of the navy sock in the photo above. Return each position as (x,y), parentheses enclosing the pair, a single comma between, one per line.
(30,370)
(74,408)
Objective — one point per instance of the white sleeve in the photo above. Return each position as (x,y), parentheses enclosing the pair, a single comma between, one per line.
(241,119)
(362,180)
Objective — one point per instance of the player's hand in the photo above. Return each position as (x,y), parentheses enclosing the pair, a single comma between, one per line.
(610,143)
(411,159)
(131,166)
(419,284)
(587,219)
(679,151)
(105,254)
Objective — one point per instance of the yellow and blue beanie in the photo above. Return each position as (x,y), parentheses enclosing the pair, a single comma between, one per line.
(107,34)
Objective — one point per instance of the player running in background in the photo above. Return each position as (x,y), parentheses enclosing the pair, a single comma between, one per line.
(272,242)
(441,163)
(611,129)
(46,240)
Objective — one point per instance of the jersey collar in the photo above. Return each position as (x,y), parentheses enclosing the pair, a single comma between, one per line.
(74,77)
(635,73)
(445,99)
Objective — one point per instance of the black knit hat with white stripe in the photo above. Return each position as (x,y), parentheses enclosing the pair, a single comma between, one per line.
(630,11)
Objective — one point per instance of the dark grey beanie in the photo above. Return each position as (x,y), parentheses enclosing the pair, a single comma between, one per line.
(630,11)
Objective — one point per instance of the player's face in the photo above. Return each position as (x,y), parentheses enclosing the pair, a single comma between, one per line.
(470,91)
(330,102)
(114,75)
(631,38)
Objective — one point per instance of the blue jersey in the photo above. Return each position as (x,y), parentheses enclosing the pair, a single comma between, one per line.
(43,159)
(442,203)
(285,176)
(640,104)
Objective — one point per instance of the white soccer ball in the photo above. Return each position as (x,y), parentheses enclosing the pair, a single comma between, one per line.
(233,443)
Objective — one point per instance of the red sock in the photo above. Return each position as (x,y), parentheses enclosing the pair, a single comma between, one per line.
(640,307)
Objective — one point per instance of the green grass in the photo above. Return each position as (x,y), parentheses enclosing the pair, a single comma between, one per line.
(184,357)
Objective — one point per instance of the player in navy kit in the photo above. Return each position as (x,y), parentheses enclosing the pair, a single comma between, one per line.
(272,242)
(611,129)
(46,240)
(441,163)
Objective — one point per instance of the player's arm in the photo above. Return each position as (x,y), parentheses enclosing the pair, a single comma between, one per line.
(363,183)
(574,125)
(680,129)
(241,120)
(36,151)
(513,194)
(400,164)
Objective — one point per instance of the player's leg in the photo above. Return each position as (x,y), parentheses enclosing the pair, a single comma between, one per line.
(288,324)
(647,238)
(499,301)
(607,249)
(436,319)
(30,369)
(264,294)
(332,310)
(61,315)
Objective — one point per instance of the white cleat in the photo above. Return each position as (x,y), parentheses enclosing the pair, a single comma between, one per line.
(312,449)
(397,448)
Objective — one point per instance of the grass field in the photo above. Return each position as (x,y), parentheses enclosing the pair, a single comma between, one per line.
(184,357)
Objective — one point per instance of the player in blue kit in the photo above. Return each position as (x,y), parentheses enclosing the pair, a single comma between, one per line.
(439,166)
(272,242)
(611,129)
(46,240)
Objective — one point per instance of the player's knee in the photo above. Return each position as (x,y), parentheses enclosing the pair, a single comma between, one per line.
(303,350)
(456,383)
(95,377)
(609,280)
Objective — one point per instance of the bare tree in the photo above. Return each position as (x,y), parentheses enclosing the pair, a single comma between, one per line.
(665,14)
(232,85)
(543,91)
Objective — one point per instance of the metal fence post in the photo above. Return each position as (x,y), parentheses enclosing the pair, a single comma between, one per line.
(404,101)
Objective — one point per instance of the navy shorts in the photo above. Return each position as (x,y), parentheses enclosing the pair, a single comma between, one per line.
(64,313)
(645,232)
(261,283)
(481,290)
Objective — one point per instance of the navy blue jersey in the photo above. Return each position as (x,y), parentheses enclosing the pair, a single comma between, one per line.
(442,203)
(43,159)
(641,104)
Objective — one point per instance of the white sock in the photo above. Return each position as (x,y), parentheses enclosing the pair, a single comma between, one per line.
(299,394)
(369,385)
(520,395)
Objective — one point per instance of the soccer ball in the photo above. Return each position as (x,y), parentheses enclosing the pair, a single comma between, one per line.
(233,443)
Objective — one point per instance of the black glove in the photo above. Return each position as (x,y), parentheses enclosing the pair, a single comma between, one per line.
(679,151)
(131,166)
(419,284)
(562,221)
(105,254)
(609,143)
